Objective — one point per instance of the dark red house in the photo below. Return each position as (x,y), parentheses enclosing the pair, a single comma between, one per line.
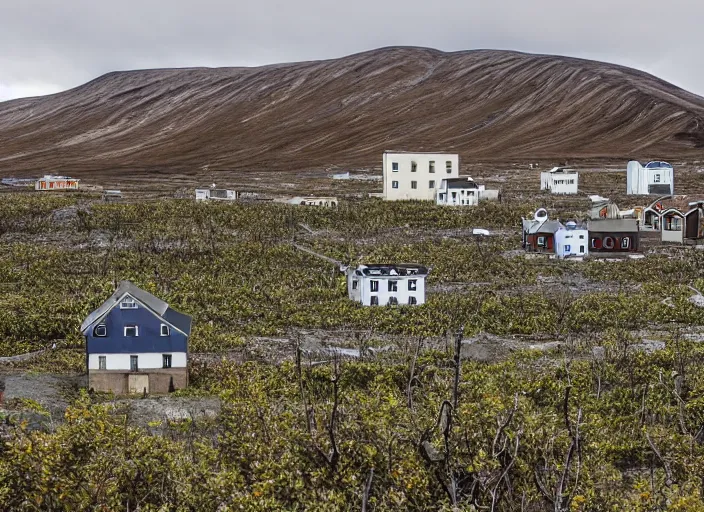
(539,235)
(614,236)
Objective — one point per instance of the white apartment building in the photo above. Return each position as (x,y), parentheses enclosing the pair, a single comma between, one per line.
(655,178)
(560,180)
(387,285)
(417,175)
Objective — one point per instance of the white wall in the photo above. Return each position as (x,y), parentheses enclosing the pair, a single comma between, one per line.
(422,176)
(364,294)
(559,183)
(639,179)
(463,196)
(146,361)
(571,242)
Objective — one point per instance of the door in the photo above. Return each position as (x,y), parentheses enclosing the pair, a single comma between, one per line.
(138,383)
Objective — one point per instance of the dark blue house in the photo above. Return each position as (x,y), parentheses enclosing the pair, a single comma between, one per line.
(135,343)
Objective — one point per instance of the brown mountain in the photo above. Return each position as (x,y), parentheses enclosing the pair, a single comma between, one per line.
(484,104)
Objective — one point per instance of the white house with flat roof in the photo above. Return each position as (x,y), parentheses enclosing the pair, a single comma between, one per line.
(387,285)
(655,178)
(560,180)
(417,175)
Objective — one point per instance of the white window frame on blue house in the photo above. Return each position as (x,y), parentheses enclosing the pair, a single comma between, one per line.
(164,330)
(136,331)
(100,328)
(128,303)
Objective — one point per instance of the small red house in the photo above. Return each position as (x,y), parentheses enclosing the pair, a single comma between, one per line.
(539,233)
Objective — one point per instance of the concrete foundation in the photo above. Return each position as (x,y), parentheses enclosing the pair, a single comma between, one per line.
(159,381)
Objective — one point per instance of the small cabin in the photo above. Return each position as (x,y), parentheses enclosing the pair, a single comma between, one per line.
(614,236)
(539,232)
(51,182)
(463,191)
(216,194)
(560,180)
(112,196)
(327,202)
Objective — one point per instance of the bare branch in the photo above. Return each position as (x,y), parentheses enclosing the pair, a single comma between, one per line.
(367,490)
(665,465)
(412,374)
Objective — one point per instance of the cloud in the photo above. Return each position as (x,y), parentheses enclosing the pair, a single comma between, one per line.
(49,45)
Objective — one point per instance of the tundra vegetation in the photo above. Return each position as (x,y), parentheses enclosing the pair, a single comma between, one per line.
(605,420)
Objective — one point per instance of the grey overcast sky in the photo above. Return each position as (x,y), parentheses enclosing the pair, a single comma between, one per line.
(51,45)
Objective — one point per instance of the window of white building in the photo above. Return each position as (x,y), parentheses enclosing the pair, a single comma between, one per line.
(414,167)
(448,167)
(393,301)
(394,184)
(134,363)
(374,285)
(394,166)
(412,300)
(166,360)
(102,362)
(431,166)
(412,285)
(431,184)
(414,185)
(374,301)
(393,286)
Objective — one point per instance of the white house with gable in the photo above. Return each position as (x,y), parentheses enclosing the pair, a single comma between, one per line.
(655,178)
(387,285)
(560,180)
(417,175)
(463,191)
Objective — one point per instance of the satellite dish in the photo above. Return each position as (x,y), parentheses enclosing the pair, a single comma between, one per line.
(540,214)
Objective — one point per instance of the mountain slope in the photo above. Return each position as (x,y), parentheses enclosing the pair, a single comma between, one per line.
(484,104)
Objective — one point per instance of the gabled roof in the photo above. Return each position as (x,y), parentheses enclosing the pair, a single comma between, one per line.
(401,269)
(682,203)
(562,170)
(613,225)
(157,306)
(533,227)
